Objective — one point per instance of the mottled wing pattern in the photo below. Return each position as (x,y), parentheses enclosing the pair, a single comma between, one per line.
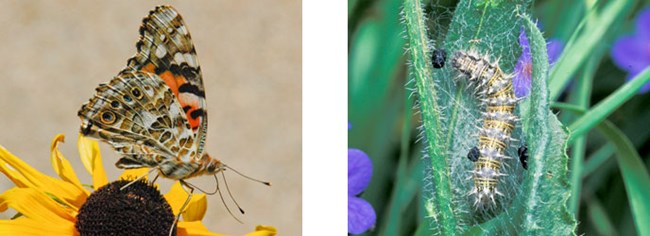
(137,113)
(165,48)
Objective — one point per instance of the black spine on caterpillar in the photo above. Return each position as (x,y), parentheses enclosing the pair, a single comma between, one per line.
(495,91)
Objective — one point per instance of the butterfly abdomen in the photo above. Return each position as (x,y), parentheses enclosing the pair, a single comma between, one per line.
(177,169)
(496,92)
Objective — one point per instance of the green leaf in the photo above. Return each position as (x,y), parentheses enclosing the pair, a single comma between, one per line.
(440,211)
(635,176)
(375,96)
(547,183)
(608,105)
(408,172)
(579,48)
(598,217)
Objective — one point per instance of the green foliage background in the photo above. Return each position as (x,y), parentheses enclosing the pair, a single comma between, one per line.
(417,123)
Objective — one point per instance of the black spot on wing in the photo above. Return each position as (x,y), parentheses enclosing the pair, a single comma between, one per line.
(161,65)
(190,88)
(130,62)
(189,72)
(139,45)
(196,113)
(175,69)
(187,108)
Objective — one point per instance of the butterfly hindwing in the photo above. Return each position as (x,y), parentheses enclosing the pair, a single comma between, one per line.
(165,48)
(138,114)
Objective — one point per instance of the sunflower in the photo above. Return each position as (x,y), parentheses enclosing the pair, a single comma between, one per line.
(48,205)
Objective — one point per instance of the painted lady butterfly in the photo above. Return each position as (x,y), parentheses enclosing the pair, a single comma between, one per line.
(495,90)
(154,111)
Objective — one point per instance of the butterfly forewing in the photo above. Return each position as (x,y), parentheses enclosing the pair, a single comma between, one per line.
(165,48)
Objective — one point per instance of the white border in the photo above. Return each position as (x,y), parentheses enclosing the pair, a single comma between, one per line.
(324,132)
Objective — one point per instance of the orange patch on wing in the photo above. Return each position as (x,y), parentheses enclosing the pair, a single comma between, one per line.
(194,123)
(149,68)
(174,82)
(191,102)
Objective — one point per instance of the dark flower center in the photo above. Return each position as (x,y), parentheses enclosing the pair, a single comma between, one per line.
(139,209)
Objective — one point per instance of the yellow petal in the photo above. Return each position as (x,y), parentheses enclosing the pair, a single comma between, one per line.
(195,209)
(26,226)
(86,149)
(11,173)
(132,174)
(176,197)
(194,228)
(264,230)
(37,206)
(92,159)
(61,165)
(18,170)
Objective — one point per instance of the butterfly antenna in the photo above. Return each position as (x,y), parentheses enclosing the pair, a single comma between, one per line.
(138,179)
(230,193)
(248,177)
(224,203)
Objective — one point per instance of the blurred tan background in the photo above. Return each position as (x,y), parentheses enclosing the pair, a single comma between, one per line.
(54,54)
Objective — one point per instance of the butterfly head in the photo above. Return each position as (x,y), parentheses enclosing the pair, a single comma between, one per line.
(211,165)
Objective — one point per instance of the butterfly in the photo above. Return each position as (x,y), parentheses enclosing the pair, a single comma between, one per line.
(154,111)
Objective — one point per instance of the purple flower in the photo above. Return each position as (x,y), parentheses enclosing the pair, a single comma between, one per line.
(632,53)
(361,215)
(524,68)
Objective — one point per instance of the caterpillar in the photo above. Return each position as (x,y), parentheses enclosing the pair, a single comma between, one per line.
(495,90)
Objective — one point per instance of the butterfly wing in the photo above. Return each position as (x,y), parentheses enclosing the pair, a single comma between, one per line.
(138,114)
(165,48)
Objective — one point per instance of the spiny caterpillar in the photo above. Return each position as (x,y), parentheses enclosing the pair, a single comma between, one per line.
(495,90)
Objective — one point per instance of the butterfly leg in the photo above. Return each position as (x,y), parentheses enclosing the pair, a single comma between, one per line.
(155,178)
(139,178)
(187,201)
